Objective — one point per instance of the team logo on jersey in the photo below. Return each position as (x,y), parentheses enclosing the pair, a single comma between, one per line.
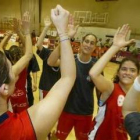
(120,100)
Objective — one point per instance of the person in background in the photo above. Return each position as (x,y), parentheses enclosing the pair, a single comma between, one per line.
(78,110)
(32,68)
(100,48)
(18,99)
(106,45)
(49,75)
(108,124)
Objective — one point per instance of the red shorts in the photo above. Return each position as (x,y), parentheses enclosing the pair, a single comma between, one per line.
(81,124)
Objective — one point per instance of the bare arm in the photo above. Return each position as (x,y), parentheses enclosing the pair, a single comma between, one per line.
(34,84)
(46,112)
(22,63)
(53,59)
(102,84)
(47,23)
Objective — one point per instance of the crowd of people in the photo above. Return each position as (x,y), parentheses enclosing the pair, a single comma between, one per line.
(66,85)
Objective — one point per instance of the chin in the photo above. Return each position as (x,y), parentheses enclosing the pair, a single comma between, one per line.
(127,83)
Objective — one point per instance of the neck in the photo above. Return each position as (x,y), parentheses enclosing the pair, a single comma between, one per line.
(3,105)
(125,88)
(84,58)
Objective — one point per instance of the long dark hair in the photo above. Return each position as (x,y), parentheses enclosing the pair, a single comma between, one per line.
(132,59)
(4,69)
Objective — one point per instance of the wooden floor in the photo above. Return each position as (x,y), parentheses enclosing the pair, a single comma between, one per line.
(109,72)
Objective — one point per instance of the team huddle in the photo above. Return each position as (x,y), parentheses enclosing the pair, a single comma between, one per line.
(66,86)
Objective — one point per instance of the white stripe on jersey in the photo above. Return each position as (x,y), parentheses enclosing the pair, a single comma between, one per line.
(99,119)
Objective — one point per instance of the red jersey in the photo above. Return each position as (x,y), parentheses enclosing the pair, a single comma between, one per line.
(16,126)
(108,124)
(19,99)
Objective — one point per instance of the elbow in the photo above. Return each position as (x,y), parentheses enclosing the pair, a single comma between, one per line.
(92,74)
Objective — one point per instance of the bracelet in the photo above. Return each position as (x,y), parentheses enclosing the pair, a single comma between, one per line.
(136,85)
(64,39)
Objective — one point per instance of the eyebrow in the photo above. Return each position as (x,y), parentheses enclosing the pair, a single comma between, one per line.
(89,40)
(129,68)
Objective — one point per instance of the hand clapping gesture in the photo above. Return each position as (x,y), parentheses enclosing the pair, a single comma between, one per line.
(60,18)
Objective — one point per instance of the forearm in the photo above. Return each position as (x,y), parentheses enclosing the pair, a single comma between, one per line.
(41,38)
(24,60)
(28,46)
(54,57)
(99,66)
(67,59)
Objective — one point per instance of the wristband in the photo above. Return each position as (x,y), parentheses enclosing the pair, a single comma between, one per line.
(61,40)
(136,85)
(64,37)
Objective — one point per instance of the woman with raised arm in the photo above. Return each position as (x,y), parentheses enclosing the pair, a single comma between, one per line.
(49,75)
(79,108)
(38,120)
(108,124)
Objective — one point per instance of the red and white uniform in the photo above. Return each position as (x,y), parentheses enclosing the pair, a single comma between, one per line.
(108,124)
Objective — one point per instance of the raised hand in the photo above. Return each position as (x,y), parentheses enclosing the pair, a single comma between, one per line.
(47,22)
(60,18)
(72,29)
(120,37)
(25,24)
